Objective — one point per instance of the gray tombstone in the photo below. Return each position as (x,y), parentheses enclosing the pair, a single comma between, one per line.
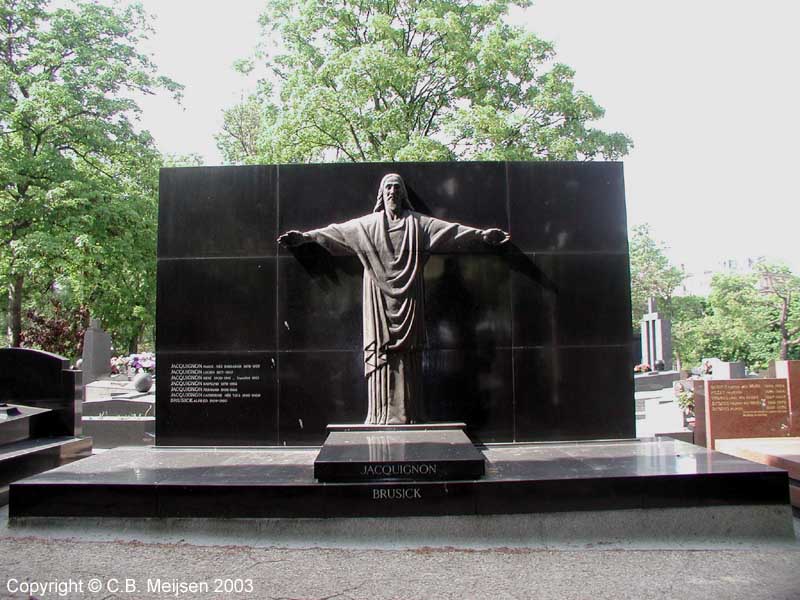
(656,338)
(96,353)
(728,370)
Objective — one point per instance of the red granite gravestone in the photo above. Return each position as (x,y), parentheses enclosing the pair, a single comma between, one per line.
(790,370)
(741,408)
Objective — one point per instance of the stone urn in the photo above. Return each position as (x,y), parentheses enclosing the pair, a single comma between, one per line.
(143,382)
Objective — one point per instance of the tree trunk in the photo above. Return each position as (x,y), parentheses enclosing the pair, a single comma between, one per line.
(15,310)
(783,326)
(133,343)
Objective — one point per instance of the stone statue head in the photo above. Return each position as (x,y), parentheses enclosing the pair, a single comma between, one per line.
(404,201)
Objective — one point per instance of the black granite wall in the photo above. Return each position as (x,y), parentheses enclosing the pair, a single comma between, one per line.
(260,345)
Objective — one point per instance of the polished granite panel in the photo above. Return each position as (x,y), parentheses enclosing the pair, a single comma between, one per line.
(472,194)
(280,483)
(572,299)
(217,211)
(474,386)
(593,377)
(317,388)
(537,405)
(320,299)
(467,302)
(216,398)
(216,304)
(559,393)
(399,455)
(568,206)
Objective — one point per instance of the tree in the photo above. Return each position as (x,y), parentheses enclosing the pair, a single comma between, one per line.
(110,269)
(68,146)
(687,314)
(400,80)
(754,318)
(780,289)
(652,274)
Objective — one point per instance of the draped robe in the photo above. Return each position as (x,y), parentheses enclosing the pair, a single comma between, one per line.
(393,254)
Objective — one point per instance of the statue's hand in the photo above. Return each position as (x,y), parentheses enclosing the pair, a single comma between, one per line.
(495,237)
(293,238)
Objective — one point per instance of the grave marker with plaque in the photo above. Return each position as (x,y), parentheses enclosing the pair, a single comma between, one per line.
(741,408)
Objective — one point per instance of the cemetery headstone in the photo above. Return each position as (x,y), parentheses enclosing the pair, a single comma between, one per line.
(790,371)
(40,400)
(741,408)
(656,339)
(96,353)
(43,380)
(728,370)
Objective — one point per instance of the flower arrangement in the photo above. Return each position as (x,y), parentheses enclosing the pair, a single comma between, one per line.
(642,368)
(134,363)
(685,399)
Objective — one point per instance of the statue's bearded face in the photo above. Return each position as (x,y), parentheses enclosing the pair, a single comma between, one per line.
(393,194)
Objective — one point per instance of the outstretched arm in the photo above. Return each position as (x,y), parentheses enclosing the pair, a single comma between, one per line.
(338,239)
(442,235)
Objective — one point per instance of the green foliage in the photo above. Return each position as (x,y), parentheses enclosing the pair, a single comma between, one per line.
(652,275)
(410,80)
(77,180)
(58,329)
(183,160)
(685,399)
(752,318)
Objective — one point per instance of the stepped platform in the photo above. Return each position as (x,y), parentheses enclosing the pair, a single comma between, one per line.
(280,483)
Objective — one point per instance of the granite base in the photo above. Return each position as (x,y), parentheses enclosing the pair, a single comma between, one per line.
(279,483)
(398,453)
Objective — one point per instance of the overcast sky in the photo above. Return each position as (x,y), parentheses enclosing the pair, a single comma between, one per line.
(709,91)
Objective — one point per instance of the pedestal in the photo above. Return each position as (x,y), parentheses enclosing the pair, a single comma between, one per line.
(431,452)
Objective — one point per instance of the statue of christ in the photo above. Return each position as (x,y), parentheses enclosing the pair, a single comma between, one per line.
(392,244)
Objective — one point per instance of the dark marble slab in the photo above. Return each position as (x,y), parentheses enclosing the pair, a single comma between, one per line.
(572,299)
(319,302)
(558,393)
(216,304)
(467,302)
(398,455)
(568,207)
(317,388)
(525,478)
(217,211)
(473,385)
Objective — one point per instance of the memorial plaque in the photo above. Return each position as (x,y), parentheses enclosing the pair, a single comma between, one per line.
(225,399)
(742,408)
